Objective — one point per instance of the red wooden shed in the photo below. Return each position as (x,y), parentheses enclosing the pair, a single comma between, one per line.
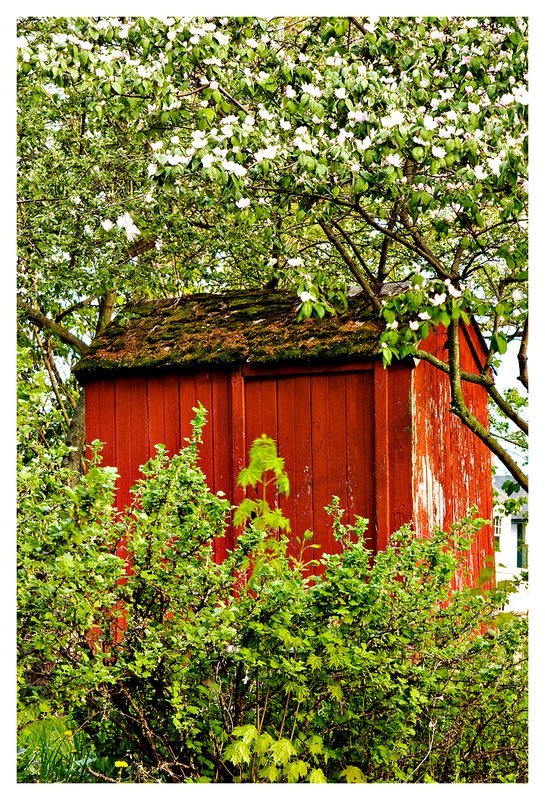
(382,440)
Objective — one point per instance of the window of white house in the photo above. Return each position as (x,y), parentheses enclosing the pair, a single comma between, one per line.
(522,547)
(497,533)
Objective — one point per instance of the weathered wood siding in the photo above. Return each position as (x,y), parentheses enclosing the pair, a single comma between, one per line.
(383,441)
(452,468)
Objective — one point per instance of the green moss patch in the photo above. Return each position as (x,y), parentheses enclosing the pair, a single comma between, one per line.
(253,327)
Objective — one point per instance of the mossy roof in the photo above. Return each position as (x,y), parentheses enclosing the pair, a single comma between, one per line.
(205,330)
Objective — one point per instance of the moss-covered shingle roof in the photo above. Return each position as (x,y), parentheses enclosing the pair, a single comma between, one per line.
(257,327)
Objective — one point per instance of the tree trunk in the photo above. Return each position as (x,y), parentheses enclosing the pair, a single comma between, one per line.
(76,438)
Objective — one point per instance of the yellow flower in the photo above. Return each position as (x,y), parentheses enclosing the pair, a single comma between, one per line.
(121,764)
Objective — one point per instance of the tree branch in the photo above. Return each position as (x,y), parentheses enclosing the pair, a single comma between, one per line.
(355,248)
(53,327)
(415,248)
(351,264)
(523,356)
(481,380)
(421,245)
(381,272)
(74,307)
(459,408)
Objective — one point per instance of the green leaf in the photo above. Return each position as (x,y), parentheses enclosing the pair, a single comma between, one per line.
(317,776)
(237,753)
(281,751)
(353,775)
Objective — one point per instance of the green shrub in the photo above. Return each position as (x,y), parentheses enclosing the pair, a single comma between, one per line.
(254,670)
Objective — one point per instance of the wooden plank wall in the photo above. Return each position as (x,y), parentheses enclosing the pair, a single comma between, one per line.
(133,413)
(323,423)
(451,466)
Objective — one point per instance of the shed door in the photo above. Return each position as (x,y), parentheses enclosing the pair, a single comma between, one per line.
(323,423)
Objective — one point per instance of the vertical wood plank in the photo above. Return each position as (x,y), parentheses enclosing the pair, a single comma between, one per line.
(399,446)
(171,413)
(203,395)
(360,451)
(382,455)
(123,439)
(222,458)
(188,399)
(294,446)
(239,395)
(321,461)
(156,433)
(140,446)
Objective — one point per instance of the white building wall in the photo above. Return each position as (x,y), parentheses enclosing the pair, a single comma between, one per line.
(506,564)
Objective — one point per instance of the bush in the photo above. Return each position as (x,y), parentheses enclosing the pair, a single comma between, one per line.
(255,669)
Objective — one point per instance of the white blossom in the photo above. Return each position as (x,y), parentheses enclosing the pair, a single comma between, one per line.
(264,114)
(290,91)
(395,118)
(394,159)
(495,163)
(392,325)
(424,315)
(480,173)
(474,107)
(301,144)
(453,291)
(340,93)
(244,202)
(207,160)
(295,262)
(152,169)
(413,325)
(222,38)
(429,123)
(358,116)
(306,296)
(437,299)
(311,89)
(516,295)
(521,95)
(156,145)
(233,166)
(363,144)
(267,153)
(438,152)
(125,221)
(107,224)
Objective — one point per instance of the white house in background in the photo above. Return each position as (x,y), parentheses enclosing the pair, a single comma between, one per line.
(511,550)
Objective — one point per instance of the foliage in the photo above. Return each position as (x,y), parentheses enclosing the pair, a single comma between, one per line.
(370,669)
(50,751)
(160,156)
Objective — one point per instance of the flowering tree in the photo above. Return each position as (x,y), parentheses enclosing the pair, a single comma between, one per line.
(157,156)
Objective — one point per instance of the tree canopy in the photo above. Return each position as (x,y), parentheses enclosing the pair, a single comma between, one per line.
(163,156)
